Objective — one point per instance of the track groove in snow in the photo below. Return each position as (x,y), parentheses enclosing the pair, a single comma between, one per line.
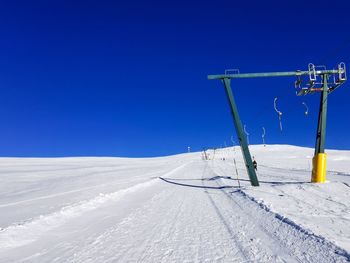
(247,226)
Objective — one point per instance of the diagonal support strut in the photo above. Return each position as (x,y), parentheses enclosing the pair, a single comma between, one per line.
(240,133)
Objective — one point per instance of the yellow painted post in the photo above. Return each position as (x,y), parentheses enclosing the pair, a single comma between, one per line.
(319,168)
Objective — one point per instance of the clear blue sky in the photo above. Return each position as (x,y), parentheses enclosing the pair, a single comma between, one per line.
(129,78)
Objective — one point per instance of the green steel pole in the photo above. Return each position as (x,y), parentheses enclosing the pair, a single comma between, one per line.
(241,136)
(319,162)
(322,118)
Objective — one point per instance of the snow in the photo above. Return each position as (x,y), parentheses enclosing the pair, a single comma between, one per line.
(175,209)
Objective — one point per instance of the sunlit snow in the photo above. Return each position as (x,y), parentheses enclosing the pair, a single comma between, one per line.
(175,209)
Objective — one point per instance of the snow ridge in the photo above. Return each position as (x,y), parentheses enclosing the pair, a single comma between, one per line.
(318,239)
(18,235)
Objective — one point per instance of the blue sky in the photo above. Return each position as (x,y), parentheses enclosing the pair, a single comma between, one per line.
(113,78)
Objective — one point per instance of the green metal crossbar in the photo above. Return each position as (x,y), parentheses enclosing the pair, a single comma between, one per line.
(271,74)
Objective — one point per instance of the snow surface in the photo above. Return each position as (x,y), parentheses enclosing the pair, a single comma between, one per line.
(175,209)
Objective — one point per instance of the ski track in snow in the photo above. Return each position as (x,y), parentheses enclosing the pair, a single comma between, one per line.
(196,213)
(19,235)
(72,191)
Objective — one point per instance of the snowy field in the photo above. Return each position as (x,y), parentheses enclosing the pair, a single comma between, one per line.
(175,209)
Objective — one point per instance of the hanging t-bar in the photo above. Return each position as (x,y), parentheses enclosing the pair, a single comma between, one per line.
(279,113)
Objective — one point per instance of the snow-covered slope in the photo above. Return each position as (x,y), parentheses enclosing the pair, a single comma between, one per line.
(175,209)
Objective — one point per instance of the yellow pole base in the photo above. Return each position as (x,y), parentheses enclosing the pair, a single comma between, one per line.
(319,168)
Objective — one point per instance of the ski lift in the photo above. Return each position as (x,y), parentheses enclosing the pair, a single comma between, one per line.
(278,112)
(306,109)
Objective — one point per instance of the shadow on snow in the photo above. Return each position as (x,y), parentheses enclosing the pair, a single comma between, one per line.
(171,180)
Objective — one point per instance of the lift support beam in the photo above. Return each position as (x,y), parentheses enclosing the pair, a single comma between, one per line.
(240,133)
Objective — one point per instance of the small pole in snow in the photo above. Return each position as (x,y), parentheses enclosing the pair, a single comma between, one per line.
(205,154)
(263,136)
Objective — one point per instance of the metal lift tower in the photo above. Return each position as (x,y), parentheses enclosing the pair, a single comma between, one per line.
(318,80)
